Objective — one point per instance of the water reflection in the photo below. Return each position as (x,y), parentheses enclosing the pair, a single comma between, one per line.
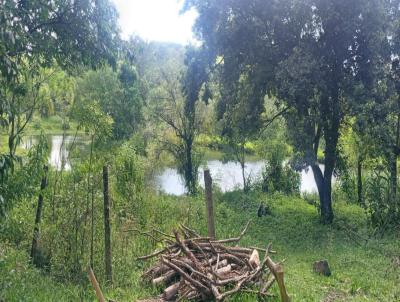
(60,148)
(227,176)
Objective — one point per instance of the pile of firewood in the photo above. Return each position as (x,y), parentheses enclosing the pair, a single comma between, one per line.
(199,268)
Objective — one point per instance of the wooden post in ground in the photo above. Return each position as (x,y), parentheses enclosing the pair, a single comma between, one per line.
(107,227)
(209,204)
(38,217)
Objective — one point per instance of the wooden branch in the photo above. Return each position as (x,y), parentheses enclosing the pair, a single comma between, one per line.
(185,276)
(95,284)
(271,120)
(206,269)
(237,239)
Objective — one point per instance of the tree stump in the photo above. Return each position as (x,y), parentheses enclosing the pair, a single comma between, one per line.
(322,267)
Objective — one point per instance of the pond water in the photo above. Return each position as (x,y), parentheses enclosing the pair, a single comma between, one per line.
(60,148)
(227,176)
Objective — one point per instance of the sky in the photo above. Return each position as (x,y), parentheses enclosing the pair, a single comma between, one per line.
(155,20)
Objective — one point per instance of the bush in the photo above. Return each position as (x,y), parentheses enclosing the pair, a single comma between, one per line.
(278,177)
(378,199)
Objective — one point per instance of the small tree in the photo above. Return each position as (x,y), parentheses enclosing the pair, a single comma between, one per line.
(184,127)
(238,125)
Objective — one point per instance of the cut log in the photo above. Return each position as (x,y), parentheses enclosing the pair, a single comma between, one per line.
(277,271)
(322,267)
(166,278)
(224,270)
(254,259)
(171,291)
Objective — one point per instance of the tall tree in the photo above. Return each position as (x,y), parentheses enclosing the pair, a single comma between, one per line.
(309,54)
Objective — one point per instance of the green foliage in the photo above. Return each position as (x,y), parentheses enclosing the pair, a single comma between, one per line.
(83,32)
(56,94)
(116,95)
(24,183)
(377,197)
(279,176)
(92,118)
(129,182)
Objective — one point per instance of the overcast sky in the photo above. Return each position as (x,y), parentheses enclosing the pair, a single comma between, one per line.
(157,20)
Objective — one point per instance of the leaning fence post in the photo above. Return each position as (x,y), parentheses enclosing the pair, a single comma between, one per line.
(209,204)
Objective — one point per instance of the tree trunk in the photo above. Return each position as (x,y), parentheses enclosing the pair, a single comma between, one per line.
(324,185)
(393,180)
(319,180)
(107,227)
(38,218)
(11,138)
(359,182)
(243,166)
(326,204)
(190,177)
(245,189)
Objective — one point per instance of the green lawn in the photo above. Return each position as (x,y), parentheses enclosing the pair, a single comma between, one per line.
(361,270)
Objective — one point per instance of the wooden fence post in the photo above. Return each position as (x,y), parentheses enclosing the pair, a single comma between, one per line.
(38,218)
(107,226)
(209,204)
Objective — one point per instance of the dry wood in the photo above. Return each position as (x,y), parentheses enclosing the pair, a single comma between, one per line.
(204,269)
(166,278)
(95,284)
(171,291)
(254,259)
(277,271)
(209,203)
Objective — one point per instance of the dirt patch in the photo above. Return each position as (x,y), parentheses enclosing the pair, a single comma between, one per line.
(334,296)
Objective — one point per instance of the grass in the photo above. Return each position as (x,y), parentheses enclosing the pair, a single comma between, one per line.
(361,270)
(52,125)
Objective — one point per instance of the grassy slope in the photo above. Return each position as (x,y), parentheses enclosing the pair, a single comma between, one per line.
(50,125)
(360,272)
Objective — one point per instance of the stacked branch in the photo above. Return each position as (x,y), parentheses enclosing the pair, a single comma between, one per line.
(198,268)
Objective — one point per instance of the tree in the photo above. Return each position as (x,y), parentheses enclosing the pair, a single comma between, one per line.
(36,34)
(171,111)
(309,54)
(177,95)
(56,94)
(118,96)
(238,126)
(70,32)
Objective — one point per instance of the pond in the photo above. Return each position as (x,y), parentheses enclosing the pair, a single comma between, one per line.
(227,175)
(60,148)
